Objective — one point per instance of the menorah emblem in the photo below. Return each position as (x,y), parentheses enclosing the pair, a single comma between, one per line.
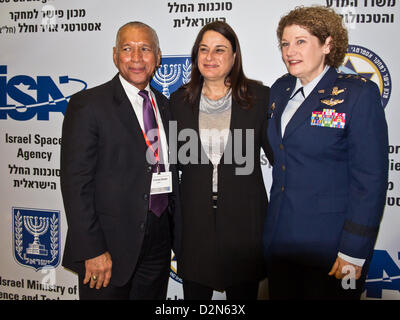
(165,79)
(36,226)
(44,226)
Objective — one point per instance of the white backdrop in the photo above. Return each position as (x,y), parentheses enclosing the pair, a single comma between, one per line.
(51,49)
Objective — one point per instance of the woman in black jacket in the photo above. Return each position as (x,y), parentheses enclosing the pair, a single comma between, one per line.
(222,121)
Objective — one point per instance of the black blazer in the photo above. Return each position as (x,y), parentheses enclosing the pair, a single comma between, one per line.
(105,178)
(223,249)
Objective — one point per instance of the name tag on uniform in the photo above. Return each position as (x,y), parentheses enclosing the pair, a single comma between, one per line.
(161,182)
(328,118)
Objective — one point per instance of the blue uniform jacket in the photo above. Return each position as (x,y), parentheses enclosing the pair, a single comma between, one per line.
(329,179)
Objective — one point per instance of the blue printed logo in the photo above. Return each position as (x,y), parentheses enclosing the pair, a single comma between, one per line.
(172,74)
(383,274)
(173,273)
(363,61)
(36,237)
(23,97)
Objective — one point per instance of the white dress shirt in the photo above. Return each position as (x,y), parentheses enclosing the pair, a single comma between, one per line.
(292,106)
(137,104)
(296,101)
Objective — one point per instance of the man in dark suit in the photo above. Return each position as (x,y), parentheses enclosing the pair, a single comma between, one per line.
(119,237)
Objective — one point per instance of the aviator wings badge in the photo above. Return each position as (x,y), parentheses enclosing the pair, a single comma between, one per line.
(332,102)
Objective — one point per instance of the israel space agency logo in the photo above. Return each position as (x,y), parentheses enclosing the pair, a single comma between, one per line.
(24,97)
(173,72)
(36,237)
(383,274)
(366,63)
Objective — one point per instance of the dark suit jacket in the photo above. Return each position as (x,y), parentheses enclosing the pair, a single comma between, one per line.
(105,178)
(329,184)
(224,249)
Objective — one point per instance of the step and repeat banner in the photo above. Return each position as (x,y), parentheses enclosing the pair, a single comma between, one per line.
(51,49)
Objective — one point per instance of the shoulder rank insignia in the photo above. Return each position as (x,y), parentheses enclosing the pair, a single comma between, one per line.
(332,102)
(336,91)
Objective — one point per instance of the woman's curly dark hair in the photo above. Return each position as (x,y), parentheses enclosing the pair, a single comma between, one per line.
(321,22)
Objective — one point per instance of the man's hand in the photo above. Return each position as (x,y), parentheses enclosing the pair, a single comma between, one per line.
(338,268)
(98,271)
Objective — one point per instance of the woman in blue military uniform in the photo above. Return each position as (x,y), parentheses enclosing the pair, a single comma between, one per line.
(329,138)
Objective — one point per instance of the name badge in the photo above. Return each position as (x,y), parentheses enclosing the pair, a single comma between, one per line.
(161,183)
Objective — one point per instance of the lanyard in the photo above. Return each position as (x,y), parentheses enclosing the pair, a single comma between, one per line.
(148,143)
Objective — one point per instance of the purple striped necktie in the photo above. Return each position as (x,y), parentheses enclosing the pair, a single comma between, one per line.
(158,202)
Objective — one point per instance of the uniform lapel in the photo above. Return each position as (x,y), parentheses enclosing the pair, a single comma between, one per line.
(281,104)
(312,102)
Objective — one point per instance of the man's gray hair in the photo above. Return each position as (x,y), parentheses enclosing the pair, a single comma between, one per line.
(138,24)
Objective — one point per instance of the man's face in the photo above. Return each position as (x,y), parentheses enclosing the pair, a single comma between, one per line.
(136,56)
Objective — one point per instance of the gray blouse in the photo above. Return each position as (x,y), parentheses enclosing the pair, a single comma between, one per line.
(214,125)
